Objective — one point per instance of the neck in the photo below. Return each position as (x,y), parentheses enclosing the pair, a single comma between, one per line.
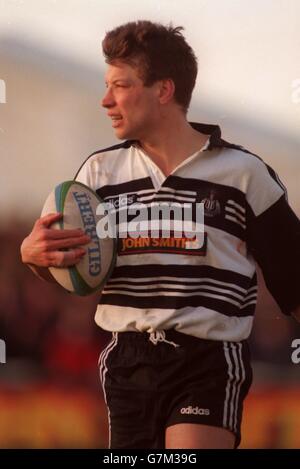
(172,142)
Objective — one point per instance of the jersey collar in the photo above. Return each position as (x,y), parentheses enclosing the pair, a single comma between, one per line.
(214,131)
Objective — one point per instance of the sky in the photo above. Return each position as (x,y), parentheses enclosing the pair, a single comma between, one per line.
(261,36)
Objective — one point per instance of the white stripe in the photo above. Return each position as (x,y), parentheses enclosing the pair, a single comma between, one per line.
(112,346)
(253,288)
(251,296)
(165,196)
(243,376)
(228,217)
(102,358)
(246,269)
(180,192)
(228,386)
(234,204)
(235,385)
(166,204)
(104,354)
(170,294)
(252,302)
(179,279)
(104,350)
(178,287)
(103,368)
(123,194)
(236,214)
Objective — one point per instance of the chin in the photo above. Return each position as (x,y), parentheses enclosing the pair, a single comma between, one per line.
(122,134)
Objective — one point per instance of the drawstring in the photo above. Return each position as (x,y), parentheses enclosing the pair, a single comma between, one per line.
(160,336)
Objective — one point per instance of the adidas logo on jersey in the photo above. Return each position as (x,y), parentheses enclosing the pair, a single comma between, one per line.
(194,410)
(122,201)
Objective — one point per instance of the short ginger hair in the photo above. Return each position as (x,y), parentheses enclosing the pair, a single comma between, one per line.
(157,52)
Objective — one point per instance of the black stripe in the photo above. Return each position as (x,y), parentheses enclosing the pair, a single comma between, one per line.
(167,302)
(229,226)
(208,129)
(237,217)
(148,194)
(252,298)
(231,408)
(112,282)
(276,178)
(217,142)
(203,189)
(172,290)
(238,384)
(242,379)
(253,281)
(177,192)
(170,198)
(114,190)
(188,271)
(138,195)
(222,193)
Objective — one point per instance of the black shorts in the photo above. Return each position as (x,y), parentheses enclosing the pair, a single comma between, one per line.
(148,387)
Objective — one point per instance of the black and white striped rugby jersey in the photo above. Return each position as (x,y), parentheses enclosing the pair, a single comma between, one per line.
(210,292)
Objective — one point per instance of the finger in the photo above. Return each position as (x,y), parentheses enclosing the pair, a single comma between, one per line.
(67,258)
(48,219)
(53,245)
(62,234)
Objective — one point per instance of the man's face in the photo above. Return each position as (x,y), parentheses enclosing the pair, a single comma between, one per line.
(132,107)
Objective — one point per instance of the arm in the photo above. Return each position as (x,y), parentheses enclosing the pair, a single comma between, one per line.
(274,239)
(42,248)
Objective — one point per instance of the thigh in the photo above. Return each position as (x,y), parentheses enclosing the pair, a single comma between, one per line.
(129,383)
(193,436)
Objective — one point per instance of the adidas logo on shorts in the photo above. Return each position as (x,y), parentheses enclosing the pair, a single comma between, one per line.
(194,410)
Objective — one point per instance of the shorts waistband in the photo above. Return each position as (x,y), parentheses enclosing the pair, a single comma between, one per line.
(170,336)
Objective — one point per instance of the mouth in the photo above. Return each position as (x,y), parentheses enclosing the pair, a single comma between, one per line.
(116,120)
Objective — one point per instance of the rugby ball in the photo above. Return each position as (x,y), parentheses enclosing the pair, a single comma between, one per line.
(78,204)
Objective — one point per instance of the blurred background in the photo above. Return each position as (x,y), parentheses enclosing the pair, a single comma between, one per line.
(51,83)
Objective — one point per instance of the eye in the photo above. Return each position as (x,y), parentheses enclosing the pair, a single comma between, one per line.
(122,84)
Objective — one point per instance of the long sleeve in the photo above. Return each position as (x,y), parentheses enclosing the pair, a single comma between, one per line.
(274,239)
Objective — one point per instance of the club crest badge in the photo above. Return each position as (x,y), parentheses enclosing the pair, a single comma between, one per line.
(212,206)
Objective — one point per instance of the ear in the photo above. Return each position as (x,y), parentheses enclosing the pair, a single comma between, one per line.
(166,90)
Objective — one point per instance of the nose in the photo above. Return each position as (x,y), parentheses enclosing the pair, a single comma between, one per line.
(108,99)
